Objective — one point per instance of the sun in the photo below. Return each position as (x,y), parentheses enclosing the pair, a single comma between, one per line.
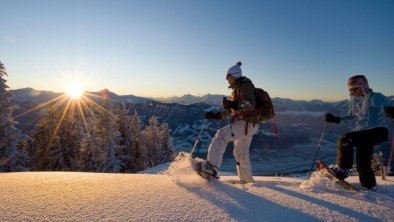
(75,90)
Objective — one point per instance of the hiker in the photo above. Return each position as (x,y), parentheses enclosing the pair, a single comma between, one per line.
(367,109)
(243,124)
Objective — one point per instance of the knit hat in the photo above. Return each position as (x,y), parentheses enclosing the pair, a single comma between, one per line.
(359,81)
(235,70)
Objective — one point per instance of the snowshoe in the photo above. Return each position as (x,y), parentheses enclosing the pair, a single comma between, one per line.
(205,169)
(339,172)
(330,174)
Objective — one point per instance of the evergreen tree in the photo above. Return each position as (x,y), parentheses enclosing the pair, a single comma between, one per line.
(89,155)
(126,137)
(109,139)
(152,133)
(167,152)
(44,138)
(9,135)
(137,143)
(56,137)
(64,152)
(40,149)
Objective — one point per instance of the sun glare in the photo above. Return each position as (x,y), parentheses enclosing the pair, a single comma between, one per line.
(74,90)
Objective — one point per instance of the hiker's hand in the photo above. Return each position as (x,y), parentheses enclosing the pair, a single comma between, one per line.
(228,104)
(213,115)
(389,111)
(332,119)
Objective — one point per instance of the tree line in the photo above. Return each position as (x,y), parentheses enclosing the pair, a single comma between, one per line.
(73,135)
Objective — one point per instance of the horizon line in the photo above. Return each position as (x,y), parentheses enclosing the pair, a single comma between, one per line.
(175,96)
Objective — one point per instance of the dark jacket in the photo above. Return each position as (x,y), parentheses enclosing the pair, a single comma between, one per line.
(244,95)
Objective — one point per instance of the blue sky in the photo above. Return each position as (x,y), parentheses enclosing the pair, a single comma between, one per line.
(298,49)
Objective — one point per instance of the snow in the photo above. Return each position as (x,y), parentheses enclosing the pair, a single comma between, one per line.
(174,192)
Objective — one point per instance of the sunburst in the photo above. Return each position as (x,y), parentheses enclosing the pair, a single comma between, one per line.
(75,90)
(75,99)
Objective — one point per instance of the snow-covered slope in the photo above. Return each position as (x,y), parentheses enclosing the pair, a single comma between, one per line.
(178,194)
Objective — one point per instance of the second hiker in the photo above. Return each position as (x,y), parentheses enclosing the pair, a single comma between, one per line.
(367,109)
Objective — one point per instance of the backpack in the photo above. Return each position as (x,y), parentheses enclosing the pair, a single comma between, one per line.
(264,107)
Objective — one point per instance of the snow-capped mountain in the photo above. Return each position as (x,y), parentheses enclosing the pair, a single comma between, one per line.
(281,104)
(190,99)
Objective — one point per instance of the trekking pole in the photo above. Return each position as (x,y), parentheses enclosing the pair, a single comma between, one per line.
(318,148)
(198,138)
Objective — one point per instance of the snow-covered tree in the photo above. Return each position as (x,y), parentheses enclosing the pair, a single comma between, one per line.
(109,139)
(89,155)
(44,137)
(64,152)
(167,152)
(126,137)
(152,133)
(56,137)
(137,143)
(9,134)
(158,143)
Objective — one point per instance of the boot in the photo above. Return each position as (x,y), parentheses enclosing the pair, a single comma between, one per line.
(210,169)
(339,172)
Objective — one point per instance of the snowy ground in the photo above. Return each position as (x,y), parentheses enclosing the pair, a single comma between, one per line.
(176,193)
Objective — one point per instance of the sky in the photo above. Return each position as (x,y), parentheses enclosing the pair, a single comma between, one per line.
(304,49)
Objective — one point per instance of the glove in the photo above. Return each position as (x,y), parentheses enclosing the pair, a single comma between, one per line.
(389,111)
(212,115)
(228,104)
(332,119)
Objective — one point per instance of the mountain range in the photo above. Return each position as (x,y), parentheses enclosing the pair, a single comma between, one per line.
(299,124)
(281,104)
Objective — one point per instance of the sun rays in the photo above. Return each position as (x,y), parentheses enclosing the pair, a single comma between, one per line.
(75,90)
(74,103)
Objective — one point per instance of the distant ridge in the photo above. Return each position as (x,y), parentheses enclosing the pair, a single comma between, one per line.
(281,104)
(39,96)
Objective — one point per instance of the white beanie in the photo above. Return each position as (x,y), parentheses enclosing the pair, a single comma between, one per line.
(235,70)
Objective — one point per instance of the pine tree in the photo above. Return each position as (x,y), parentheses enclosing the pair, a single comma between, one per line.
(40,149)
(152,133)
(100,144)
(44,138)
(56,137)
(9,135)
(89,155)
(126,137)
(167,152)
(137,144)
(109,139)
(64,152)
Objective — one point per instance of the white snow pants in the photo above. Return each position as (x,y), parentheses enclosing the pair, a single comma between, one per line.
(241,147)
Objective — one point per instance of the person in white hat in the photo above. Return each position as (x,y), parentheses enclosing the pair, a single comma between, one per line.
(241,127)
(367,109)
